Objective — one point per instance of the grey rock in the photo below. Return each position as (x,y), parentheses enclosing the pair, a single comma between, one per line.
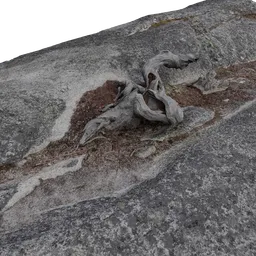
(28,185)
(198,204)
(195,197)
(219,32)
(145,152)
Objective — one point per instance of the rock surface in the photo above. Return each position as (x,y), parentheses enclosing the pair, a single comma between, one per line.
(193,193)
(202,203)
(193,117)
(145,152)
(221,32)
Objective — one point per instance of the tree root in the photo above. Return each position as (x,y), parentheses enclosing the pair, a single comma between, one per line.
(95,138)
(169,60)
(135,102)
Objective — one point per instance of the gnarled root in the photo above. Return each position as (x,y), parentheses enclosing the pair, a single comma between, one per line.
(121,115)
(169,60)
(92,127)
(135,102)
(158,106)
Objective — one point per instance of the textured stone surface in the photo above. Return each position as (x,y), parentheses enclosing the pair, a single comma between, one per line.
(26,118)
(27,186)
(145,152)
(194,194)
(202,203)
(221,32)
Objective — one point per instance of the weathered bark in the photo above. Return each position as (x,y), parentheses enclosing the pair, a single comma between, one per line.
(169,60)
(120,115)
(159,107)
(135,102)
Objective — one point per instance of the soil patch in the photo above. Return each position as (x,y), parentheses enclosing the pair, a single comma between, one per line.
(251,16)
(116,148)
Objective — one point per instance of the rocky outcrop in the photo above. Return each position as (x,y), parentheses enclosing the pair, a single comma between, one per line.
(152,189)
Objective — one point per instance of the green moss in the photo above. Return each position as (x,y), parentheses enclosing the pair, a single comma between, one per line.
(164,22)
(207,42)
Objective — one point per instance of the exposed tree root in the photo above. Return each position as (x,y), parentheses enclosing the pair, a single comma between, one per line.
(135,102)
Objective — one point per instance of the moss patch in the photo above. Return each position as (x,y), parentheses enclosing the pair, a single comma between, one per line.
(164,22)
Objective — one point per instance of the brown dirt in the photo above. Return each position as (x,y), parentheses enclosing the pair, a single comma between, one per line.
(89,107)
(251,16)
(114,148)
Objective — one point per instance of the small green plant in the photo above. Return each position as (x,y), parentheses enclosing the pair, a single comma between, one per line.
(164,22)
